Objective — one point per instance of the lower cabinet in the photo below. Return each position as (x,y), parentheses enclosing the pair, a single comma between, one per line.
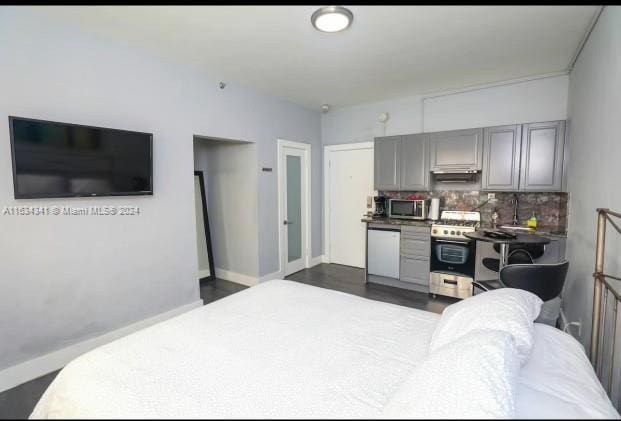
(414,262)
(415,270)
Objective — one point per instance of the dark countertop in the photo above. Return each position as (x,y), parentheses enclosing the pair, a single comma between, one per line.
(550,231)
(396,221)
(520,239)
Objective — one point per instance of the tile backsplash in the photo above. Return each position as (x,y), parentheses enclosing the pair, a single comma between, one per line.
(549,208)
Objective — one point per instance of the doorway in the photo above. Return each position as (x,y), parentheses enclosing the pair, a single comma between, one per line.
(294,205)
(348,195)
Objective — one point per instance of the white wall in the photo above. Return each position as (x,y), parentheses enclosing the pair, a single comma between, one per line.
(359,123)
(595,148)
(542,99)
(230,172)
(66,279)
(522,102)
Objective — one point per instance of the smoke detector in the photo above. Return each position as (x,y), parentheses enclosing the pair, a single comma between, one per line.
(325,108)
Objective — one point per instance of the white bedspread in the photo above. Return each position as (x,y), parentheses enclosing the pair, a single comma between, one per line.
(277,350)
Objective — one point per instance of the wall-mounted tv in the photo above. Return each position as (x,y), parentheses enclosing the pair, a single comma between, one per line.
(52,159)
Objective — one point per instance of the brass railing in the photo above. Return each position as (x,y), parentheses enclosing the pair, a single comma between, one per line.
(603,345)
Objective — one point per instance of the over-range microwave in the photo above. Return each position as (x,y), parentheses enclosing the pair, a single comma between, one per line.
(407,209)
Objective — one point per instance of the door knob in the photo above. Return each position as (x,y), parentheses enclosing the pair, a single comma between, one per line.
(285,222)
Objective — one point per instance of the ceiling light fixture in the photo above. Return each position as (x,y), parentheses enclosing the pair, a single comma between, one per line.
(332,18)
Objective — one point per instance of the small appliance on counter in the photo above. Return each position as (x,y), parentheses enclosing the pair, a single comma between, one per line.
(407,209)
(381,206)
(434,209)
(453,255)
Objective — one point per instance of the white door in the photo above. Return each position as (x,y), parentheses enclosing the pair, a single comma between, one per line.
(294,205)
(350,185)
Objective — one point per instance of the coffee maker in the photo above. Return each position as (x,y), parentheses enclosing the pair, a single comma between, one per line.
(381,206)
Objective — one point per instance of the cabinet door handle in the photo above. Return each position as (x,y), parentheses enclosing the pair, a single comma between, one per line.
(446,281)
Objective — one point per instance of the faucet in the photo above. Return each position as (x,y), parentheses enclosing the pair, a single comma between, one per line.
(516,203)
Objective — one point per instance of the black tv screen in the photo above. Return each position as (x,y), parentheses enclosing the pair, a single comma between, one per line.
(53,159)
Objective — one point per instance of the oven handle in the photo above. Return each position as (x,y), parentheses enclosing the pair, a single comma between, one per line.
(453,242)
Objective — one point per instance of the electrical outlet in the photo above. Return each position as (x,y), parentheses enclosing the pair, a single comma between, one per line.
(491,197)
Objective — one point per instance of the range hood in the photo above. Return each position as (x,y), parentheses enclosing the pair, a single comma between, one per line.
(455,175)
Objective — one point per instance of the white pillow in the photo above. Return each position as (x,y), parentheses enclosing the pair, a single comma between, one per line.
(508,309)
(472,377)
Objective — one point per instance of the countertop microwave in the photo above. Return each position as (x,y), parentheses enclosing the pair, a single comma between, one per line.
(407,209)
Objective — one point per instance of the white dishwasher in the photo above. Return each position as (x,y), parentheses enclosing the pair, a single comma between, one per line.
(383,251)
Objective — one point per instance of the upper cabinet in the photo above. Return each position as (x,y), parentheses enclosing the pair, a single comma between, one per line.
(501,158)
(456,150)
(387,174)
(415,162)
(521,157)
(402,162)
(543,148)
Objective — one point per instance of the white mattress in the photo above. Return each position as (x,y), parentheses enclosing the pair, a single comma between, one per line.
(287,350)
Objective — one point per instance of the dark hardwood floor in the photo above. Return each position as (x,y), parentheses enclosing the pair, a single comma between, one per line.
(351,280)
(18,403)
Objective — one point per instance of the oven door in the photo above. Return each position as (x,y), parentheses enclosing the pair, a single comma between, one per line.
(455,257)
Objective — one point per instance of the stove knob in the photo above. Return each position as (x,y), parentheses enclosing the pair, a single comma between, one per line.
(452,232)
(458,232)
(445,232)
(434,231)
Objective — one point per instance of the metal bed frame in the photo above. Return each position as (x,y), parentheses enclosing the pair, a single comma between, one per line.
(603,291)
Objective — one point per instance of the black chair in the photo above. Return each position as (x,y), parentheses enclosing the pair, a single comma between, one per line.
(517,256)
(534,250)
(544,280)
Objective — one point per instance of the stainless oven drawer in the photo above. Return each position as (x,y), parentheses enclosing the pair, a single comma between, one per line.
(450,285)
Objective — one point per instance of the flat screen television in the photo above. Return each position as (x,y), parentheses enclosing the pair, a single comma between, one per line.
(52,159)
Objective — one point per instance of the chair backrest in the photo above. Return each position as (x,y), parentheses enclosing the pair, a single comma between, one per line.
(544,280)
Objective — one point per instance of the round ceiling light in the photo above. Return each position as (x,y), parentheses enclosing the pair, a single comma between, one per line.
(332,18)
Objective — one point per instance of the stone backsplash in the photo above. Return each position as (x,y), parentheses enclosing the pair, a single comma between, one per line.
(549,208)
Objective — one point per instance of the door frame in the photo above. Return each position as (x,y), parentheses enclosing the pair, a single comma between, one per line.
(306,197)
(327,150)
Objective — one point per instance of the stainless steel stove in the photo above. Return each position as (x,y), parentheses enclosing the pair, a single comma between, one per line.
(453,256)
(453,224)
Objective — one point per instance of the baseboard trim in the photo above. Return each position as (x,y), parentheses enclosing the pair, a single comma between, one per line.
(40,366)
(317,260)
(270,276)
(238,278)
(314,261)
(203,273)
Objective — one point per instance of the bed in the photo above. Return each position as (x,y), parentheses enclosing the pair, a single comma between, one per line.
(283,349)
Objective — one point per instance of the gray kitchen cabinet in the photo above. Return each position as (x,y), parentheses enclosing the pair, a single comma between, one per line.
(415,270)
(456,150)
(543,147)
(387,171)
(501,158)
(415,162)
(415,250)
